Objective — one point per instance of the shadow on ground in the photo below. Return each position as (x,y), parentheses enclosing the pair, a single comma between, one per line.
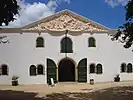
(18,95)
(116,93)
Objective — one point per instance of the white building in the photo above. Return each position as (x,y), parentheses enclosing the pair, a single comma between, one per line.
(64,46)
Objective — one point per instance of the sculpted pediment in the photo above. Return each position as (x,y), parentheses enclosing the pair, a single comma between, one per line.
(66,21)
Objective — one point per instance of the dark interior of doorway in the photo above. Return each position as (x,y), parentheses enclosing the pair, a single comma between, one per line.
(66,71)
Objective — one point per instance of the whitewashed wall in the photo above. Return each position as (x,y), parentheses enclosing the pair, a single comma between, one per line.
(21,52)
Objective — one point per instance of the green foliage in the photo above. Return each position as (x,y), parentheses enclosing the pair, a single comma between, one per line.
(125,32)
(15,78)
(8,9)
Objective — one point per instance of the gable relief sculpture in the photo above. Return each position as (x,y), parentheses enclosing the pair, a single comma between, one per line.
(67,22)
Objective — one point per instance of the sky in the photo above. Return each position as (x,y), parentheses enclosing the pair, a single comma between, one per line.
(110,13)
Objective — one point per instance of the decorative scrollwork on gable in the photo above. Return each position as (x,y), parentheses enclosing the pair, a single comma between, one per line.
(67,22)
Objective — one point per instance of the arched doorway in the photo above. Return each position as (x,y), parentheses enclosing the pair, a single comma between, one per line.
(66,70)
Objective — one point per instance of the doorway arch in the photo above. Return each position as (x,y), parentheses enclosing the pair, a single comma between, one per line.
(66,70)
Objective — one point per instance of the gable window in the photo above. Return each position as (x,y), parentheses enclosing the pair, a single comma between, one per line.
(32,70)
(92,68)
(99,69)
(66,45)
(40,69)
(129,68)
(91,42)
(4,70)
(40,42)
(123,67)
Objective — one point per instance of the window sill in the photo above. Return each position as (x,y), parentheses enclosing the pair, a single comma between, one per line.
(67,52)
(40,74)
(40,47)
(33,75)
(99,73)
(92,73)
(4,75)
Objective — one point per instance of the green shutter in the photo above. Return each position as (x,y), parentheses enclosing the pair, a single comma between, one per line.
(129,68)
(92,42)
(123,67)
(66,45)
(92,68)
(82,70)
(51,70)
(40,42)
(32,70)
(99,69)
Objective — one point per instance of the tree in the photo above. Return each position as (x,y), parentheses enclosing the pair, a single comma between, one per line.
(8,9)
(125,32)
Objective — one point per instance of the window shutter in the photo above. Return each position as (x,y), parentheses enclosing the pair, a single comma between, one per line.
(99,69)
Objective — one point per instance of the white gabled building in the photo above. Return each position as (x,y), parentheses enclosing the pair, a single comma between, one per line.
(64,46)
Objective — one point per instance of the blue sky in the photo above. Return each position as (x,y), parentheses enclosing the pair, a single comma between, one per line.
(97,10)
(110,13)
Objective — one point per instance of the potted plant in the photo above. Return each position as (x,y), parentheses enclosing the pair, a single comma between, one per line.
(91,81)
(15,80)
(117,78)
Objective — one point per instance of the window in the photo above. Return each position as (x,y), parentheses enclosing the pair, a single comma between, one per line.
(91,42)
(92,68)
(123,67)
(99,69)
(4,70)
(40,42)
(129,68)
(66,45)
(32,70)
(40,69)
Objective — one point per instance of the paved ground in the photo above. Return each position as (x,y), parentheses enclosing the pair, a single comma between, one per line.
(69,91)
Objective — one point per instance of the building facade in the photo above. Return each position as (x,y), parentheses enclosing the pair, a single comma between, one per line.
(66,47)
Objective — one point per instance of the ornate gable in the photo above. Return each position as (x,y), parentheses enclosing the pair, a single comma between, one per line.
(66,20)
